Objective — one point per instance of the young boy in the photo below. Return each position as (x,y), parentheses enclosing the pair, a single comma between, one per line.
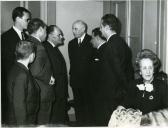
(22,92)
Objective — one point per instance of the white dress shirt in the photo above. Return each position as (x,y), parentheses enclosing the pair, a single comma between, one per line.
(81,38)
(18,32)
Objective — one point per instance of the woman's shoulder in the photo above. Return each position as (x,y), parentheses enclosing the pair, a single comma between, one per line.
(161,77)
(161,84)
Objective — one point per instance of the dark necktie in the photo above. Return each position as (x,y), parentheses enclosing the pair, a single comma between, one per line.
(79,42)
(23,37)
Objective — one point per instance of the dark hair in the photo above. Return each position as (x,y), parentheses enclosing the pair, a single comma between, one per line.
(18,12)
(50,29)
(146,53)
(97,32)
(35,24)
(24,49)
(113,22)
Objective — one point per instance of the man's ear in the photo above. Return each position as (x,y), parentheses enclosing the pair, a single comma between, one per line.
(50,36)
(140,73)
(17,18)
(40,29)
(97,38)
(107,27)
(83,29)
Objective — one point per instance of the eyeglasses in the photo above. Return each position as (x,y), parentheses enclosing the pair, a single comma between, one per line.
(59,35)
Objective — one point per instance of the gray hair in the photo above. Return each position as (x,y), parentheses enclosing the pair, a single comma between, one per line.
(83,23)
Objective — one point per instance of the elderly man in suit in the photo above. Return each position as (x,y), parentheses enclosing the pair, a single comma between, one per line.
(23,93)
(80,53)
(41,70)
(116,67)
(9,39)
(55,38)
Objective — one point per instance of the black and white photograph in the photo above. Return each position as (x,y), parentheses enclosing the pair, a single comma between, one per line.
(85,63)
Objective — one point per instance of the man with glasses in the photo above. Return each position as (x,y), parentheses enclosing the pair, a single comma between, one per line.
(55,38)
(9,39)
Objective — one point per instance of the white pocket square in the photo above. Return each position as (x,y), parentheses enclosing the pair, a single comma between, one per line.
(96,59)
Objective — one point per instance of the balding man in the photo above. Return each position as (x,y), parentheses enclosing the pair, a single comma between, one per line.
(80,53)
(55,38)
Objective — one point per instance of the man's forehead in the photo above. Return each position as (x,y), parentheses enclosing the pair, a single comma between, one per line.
(78,25)
(57,31)
(26,14)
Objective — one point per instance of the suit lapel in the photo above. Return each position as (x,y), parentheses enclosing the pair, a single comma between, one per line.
(15,33)
(59,54)
(112,38)
(84,42)
(76,42)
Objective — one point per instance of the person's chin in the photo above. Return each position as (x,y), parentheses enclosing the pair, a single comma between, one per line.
(148,78)
(77,36)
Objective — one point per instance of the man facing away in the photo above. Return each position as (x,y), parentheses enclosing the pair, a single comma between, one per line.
(41,70)
(22,91)
(9,39)
(55,38)
(116,67)
(80,53)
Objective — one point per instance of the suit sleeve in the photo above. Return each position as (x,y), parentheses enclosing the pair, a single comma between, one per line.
(70,55)
(19,99)
(38,65)
(6,54)
(116,65)
(164,92)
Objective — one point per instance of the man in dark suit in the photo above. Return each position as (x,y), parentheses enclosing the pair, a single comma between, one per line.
(54,40)
(9,39)
(99,43)
(116,67)
(23,93)
(80,52)
(41,70)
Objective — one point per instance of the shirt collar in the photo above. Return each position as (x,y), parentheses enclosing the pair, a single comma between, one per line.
(18,32)
(82,37)
(51,43)
(101,44)
(23,64)
(110,36)
(36,38)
